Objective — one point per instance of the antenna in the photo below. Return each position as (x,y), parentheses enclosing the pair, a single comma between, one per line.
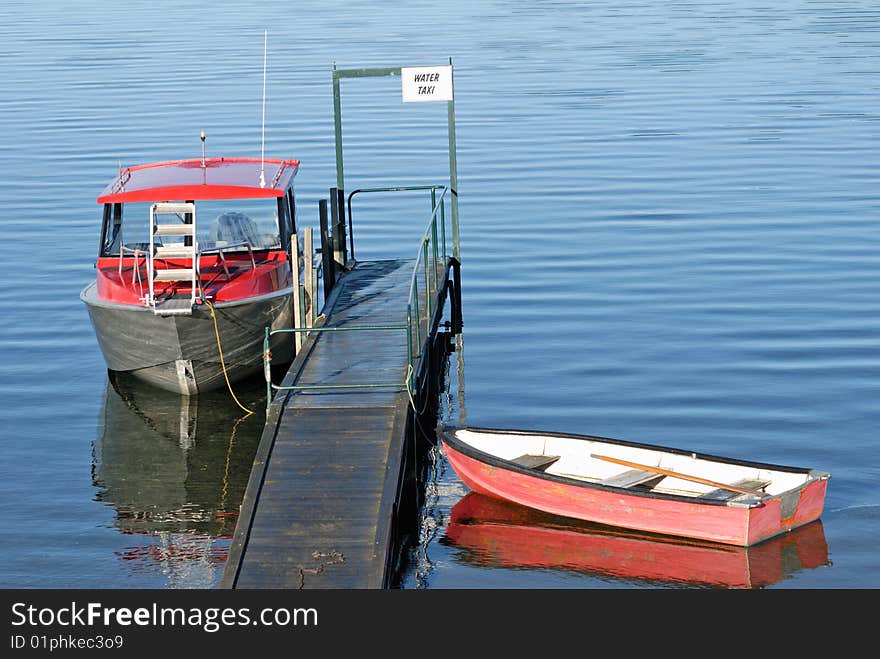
(263,129)
(202,137)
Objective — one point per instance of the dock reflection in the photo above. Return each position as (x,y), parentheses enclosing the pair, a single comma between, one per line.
(175,469)
(493,533)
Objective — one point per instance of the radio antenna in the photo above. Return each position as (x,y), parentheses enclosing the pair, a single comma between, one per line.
(263,129)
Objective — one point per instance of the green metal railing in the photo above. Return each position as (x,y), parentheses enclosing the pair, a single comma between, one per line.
(427,282)
(404,188)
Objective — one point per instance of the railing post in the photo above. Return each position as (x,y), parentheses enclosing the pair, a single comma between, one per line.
(456,300)
(453,174)
(434,236)
(443,227)
(267,370)
(297,291)
(337,127)
(302,314)
(340,204)
(309,274)
(428,305)
(314,295)
(326,250)
(337,220)
(409,346)
(350,229)
(434,254)
(418,314)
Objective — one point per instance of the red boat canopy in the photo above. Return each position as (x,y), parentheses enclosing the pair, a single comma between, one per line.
(217,178)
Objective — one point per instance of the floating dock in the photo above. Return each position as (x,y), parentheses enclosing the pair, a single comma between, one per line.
(337,460)
(338,452)
(320,505)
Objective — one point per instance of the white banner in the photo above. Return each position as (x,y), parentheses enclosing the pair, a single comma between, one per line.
(426,83)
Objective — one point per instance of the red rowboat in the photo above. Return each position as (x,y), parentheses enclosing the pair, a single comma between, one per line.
(637,486)
(495,533)
(193,265)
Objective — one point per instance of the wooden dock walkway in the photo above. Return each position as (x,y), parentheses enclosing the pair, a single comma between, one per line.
(318,510)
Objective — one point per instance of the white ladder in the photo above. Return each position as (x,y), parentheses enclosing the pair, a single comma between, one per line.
(186,249)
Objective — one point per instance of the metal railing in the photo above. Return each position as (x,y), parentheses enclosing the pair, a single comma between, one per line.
(432,262)
(135,268)
(222,256)
(427,282)
(403,188)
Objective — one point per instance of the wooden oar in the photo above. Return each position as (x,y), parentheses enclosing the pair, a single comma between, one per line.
(675,474)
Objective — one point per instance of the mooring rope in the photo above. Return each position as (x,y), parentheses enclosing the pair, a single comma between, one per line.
(409,372)
(409,391)
(222,362)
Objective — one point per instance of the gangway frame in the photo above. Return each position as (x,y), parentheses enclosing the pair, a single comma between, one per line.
(338,75)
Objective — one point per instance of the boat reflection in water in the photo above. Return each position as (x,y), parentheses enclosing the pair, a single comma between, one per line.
(494,533)
(175,468)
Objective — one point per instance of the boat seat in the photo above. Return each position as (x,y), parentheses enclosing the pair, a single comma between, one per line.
(538,462)
(632,478)
(726,495)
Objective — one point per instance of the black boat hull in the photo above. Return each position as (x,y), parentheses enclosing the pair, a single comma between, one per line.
(180,353)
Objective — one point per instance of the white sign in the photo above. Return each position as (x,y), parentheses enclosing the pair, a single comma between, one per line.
(426,83)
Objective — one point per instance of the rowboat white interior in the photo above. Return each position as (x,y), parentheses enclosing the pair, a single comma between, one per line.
(575,460)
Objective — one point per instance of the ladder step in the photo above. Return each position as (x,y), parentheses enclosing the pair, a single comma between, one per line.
(174,230)
(174,274)
(173,208)
(173,307)
(172,251)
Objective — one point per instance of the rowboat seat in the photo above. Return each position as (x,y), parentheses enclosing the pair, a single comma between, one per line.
(727,495)
(632,478)
(537,462)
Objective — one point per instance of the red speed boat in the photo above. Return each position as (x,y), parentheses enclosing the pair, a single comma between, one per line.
(637,486)
(193,265)
(495,533)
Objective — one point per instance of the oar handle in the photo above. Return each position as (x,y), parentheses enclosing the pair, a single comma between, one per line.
(675,474)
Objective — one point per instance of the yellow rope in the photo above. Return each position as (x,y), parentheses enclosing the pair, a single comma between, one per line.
(228,459)
(222,362)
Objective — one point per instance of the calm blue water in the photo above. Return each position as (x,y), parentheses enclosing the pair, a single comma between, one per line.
(669,234)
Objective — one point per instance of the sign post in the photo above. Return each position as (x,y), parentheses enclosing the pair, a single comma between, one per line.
(418,84)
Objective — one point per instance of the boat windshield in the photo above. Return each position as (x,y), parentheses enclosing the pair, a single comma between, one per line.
(231,224)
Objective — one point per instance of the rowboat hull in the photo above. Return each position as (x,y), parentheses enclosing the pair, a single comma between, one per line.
(180,353)
(742,524)
(494,533)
